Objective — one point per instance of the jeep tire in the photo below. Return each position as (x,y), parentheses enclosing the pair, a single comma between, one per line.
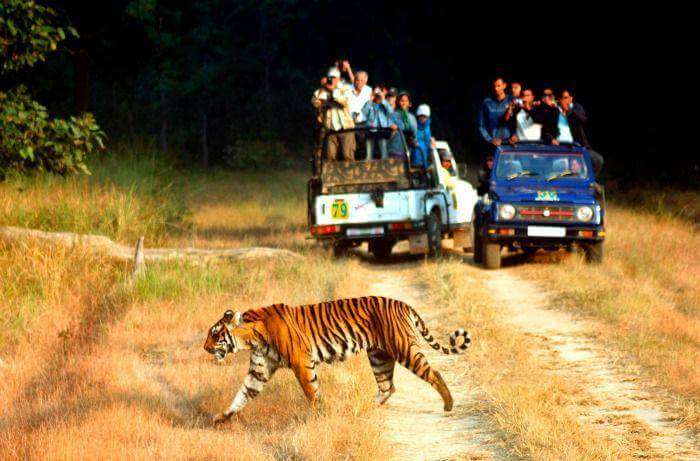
(594,253)
(340,249)
(381,247)
(434,232)
(478,246)
(492,255)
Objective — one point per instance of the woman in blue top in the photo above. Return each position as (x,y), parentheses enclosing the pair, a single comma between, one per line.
(421,153)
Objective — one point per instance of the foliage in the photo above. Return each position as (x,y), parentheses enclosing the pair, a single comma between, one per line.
(29,138)
(256,155)
(28,33)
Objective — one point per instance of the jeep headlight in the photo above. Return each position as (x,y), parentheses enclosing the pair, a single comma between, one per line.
(506,211)
(584,213)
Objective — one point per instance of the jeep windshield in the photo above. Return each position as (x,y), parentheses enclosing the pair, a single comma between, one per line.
(549,166)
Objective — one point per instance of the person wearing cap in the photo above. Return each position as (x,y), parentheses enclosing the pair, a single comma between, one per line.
(331,103)
(424,140)
(377,114)
(391,97)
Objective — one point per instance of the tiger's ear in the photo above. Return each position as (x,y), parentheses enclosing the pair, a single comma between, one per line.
(233,317)
(237,318)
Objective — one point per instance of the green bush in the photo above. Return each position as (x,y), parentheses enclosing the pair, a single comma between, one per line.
(29,138)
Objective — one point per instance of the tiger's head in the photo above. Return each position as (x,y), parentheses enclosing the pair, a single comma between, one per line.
(230,334)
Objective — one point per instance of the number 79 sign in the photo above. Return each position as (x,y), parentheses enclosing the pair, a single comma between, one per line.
(339,209)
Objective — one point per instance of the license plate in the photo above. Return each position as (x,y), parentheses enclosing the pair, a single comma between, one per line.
(340,209)
(542,231)
(365,231)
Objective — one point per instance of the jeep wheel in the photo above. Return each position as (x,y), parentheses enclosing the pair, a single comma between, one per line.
(477,246)
(340,249)
(492,255)
(432,225)
(594,253)
(381,247)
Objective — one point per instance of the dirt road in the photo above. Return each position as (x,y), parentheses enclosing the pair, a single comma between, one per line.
(415,422)
(623,406)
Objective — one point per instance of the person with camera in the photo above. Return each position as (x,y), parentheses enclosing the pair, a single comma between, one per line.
(391,97)
(548,114)
(331,102)
(377,115)
(516,91)
(347,77)
(360,94)
(527,119)
(576,118)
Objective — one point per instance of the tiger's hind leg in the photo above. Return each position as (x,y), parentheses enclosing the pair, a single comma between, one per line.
(383,369)
(415,361)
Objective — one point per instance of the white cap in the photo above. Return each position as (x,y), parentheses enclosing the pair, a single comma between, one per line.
(333,72)
(423,109)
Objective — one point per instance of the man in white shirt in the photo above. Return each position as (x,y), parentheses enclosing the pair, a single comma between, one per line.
(360,94)
(525,118)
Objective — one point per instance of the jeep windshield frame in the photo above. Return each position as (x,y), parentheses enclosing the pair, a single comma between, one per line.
(541,165)
(362,130)
(361,175)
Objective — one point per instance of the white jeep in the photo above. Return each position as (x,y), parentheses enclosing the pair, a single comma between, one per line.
(384,201)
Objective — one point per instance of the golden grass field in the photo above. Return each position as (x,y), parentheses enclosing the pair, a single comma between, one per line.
(92,367)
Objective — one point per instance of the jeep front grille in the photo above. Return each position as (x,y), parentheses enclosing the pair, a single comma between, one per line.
(546,213)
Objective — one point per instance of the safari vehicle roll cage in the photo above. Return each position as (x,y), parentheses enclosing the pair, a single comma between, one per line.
(317,164)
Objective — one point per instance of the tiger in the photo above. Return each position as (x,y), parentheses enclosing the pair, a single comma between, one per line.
(302,337)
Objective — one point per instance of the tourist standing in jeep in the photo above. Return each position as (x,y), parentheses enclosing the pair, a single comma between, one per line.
(332,103)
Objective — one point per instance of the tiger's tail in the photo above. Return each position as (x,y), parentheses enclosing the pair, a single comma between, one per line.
(432,342)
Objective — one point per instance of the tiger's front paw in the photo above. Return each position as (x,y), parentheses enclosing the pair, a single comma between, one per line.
(222,418)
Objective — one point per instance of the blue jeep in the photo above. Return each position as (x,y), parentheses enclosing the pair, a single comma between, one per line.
(540,196)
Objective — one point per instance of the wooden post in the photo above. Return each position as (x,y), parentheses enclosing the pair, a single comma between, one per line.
(138,258)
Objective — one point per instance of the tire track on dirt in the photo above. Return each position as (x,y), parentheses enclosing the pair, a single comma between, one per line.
(414,419)
(619,405)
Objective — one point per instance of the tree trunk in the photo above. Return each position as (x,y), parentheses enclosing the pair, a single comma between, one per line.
(203,140)
(163,125)
(267,64)
(131,128)
(81,81)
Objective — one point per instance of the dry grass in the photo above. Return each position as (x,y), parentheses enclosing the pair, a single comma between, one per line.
(646,293)
(537,412)
(93,368)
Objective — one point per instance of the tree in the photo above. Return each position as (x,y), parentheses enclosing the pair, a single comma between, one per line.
(29,138)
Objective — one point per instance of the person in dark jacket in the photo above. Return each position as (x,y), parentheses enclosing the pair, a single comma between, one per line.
(576,117)
(549,117)
(491,123)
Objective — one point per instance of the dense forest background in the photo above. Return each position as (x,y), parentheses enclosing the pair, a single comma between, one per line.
(196,79)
